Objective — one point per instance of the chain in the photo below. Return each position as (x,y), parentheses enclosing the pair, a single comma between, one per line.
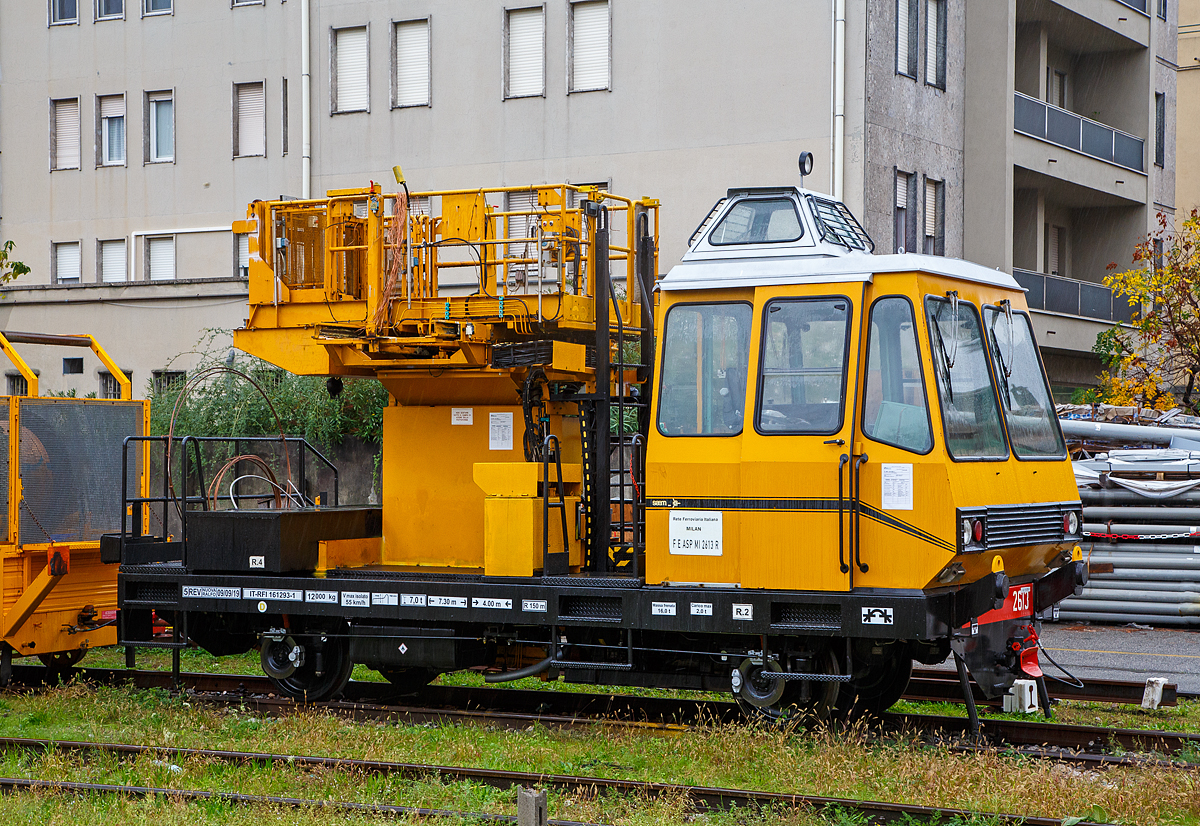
(36,522)
(1141,535)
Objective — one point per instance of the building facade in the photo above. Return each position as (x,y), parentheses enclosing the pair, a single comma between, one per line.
(133,132)
(1187,186)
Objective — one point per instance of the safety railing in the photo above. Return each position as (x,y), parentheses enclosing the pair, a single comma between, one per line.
(1078,298)
(1041,120)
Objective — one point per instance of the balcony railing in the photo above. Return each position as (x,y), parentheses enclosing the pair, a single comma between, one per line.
(1039,119)
(1140,5)
(1066,295)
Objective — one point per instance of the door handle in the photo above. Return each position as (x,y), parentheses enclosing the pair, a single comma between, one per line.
(857,507)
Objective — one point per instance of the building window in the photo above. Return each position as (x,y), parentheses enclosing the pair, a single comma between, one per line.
(935,43)
(1056,249)
(160,127)
(111,144)
(247,2)
(110,9)
(17,384)
(906,37)
(410,64)
(112,260)
(156,7)
(66,263)
(1160,129)
(249,120)
(525,52)
(64,134)
(1056,88)
(905,219)
(935,217)
(73,367)
(283,115)
(590,46)
(110,388)
(241,253)
(1162,9)
(64,11)
(350,84)
(163,381)
(160,258)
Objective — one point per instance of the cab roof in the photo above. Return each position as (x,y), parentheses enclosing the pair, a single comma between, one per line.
(770,236)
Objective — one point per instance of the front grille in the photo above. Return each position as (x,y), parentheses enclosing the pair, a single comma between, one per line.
(1011,525)
(806,617)
(157,593)
(595,609)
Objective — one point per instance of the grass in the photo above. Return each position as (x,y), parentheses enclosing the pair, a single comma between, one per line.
(846,764)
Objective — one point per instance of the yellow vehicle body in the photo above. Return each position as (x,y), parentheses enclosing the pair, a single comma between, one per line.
(61,485)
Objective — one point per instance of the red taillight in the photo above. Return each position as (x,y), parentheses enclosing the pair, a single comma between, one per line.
(1066,523)
(977,530)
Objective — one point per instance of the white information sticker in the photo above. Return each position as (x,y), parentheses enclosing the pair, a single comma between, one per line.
(500,431)
(743,612)
(878,616)
(701,609)
(384,599)
(412,600)
(447,602)
(258,562)
(695,533)
(897,493)
(273,594)
(662,609)
(328,597)
(356,599)
(491,602)
(462,415)
(534,605)
(208,592)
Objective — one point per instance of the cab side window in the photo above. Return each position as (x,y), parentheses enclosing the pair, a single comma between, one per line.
(803,366)
(895,410)
(706,356)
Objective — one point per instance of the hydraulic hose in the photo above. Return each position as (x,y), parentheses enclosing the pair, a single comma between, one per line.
(520,673)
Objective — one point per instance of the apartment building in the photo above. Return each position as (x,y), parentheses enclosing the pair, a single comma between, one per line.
(1036,136)
(1187,175)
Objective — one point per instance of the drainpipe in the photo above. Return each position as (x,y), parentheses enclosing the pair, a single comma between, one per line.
(839,98)
(305,101)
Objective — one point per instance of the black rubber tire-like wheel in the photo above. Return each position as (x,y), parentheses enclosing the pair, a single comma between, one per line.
(791,705)
(877,686)
(62,660)
(409,680)
(305,684)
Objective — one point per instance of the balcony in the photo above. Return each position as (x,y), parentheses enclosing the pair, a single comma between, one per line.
(1140,5)
(1039,119)
(1071,297)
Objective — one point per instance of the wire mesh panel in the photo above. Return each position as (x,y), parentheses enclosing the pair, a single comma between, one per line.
(70,466)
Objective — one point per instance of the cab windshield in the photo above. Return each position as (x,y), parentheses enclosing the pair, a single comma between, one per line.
(1028,406)
(970,416)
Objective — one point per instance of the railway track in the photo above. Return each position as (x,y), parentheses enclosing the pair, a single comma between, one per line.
(519,708)
(698,797)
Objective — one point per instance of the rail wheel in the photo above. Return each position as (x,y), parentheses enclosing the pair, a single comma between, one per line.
(62,660)
(879,681)
(409,680)
(774,700)
(317,672)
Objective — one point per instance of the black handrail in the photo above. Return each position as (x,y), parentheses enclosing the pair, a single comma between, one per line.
(857,505)
(842,461)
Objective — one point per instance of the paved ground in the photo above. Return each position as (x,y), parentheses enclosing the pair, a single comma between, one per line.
(1120,653)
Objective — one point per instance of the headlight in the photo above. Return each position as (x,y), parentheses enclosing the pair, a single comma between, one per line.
(966,532)
(1071,523)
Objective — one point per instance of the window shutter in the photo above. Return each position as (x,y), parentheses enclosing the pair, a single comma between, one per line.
(901,190)
(162,258)
(931,41)
(412,63)
(526,75)
(352,77)
(902,36)
(1052,251)
(66,263)
(66,134)
(112,261)
(243,242)
(252,121)
(589,46)
(931,208)
(112,106)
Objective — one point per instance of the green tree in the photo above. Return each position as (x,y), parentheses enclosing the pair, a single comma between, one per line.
(10,269)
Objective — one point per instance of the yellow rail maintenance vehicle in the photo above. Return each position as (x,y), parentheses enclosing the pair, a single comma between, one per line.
(786,468)
(60,478)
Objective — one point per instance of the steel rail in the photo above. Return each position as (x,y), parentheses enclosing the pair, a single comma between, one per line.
(19,784)
(710,797)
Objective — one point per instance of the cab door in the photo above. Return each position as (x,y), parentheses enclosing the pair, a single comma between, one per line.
(902,526)
(796,449)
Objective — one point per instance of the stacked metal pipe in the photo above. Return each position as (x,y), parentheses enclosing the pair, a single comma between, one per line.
(1144,551)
